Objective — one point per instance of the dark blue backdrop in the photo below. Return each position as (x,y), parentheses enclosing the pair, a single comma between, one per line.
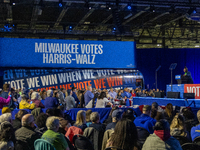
(149,59)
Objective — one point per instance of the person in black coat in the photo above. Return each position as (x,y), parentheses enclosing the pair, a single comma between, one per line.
(17,122)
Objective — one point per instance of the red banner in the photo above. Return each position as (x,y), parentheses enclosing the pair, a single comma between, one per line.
(192,88)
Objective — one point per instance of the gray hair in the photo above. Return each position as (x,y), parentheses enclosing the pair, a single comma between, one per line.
(49,93)
(34,95)
(6,117)
(94,117)
(52,123)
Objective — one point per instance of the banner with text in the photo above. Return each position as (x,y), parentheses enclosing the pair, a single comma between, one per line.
(17,52)
(80,78)
(192,88)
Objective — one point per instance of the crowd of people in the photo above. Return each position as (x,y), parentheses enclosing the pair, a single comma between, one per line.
(71,98)
(158,127)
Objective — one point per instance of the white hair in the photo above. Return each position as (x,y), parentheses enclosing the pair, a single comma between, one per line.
(52,123)
(34,95)
(6,117)
(49,93)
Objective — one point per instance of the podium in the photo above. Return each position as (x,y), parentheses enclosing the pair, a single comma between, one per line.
(182,79)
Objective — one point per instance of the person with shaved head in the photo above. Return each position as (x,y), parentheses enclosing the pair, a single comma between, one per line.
(26,136)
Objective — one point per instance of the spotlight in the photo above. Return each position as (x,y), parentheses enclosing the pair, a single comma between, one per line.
(192,11)
(60,3)
(114,30)
(13,4)
(129,7)
(90,7)
(109,8)
(152,8)
(70,28)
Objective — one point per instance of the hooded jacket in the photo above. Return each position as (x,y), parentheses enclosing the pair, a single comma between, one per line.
(146,122)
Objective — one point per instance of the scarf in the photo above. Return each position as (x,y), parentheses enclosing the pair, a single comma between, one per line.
(162,134)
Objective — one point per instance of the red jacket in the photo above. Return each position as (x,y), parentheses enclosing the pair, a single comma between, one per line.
(4,101)
(73,131)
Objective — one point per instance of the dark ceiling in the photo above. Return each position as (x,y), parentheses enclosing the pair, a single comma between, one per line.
(147,22)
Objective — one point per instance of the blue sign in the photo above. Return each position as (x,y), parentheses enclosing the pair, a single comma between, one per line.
(177,77)
(17,52)
(80,78)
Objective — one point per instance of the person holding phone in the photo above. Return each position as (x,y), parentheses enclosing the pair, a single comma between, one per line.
(4,101)
(24,103)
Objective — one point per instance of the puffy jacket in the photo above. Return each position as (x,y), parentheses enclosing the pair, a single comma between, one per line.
(153,142)
(4,101)
(25,105)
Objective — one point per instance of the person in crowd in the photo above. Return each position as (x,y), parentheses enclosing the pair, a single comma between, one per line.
(195,130)
(24,103)
(139,93)
(116,116)
(93,102)
(161,138)
(159,115)
(70,101)
(7,136)
(50,102)
(79,95)
(88,96)
(5,110)
(126,94)
(153,113)
(88,113)
(190,119)
(133,93)
(41,123)
(26,135)
(124,136)
(143,93)
(112,93)
(188,74)
(129,114)
(154,105)
(64,126)
(145,121)
(119,95)
(6,90)
(61,98)
(177,127)
(169,113)
(102,101)
(81,120)
(109,119)
(63,90)
(151,93)
(95,118)
(6,117)
(24,92)
(5,101)
(82,100)
(52,135)
(18,117)
(43,94)
(35,99)
(75,96)
(107,94)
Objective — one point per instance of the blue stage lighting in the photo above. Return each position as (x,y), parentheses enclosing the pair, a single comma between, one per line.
(194,12)
(129,7)
(60,4)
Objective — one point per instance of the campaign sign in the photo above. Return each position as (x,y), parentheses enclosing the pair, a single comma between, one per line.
(192,88)
(80,78)
(18,52)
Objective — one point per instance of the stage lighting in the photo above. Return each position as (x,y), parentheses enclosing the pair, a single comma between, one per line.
(192,11)
(129,7)
(152,8)
(60,3)
(114,30)
(70,28)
